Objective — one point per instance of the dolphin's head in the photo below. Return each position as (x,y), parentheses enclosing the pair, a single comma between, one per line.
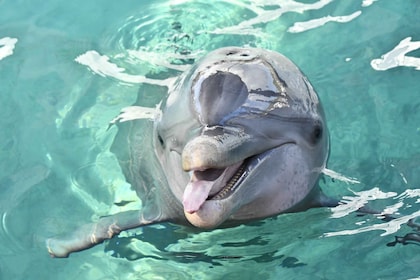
(242,136)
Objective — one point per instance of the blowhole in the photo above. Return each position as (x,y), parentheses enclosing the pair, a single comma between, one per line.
(232,52)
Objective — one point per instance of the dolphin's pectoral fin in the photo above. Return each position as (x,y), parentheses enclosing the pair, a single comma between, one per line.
(321,200)
(91,234)
(315,199)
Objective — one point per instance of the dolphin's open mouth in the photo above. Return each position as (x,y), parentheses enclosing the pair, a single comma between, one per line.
(220,161)
(234,181)
(212,184)
(215,184)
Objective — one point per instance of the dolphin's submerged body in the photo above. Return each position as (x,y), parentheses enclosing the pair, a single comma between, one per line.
(241,136)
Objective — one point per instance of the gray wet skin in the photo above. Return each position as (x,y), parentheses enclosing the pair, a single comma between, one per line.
(242,136)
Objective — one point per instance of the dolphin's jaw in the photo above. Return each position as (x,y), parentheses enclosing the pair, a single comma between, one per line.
(219,205)
(233,183)
(217,208)
(208,183)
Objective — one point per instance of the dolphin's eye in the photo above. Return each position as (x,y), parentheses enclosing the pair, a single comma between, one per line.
(161,142)
(316,133)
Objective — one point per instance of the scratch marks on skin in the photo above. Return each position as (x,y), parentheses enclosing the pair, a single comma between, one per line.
(397,56)
(93,239)
(98,236)
(113,229)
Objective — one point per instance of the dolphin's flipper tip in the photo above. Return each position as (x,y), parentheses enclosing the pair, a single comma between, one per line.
(91,234)
(55,248)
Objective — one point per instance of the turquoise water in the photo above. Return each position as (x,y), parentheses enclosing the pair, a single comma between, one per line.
(60,87)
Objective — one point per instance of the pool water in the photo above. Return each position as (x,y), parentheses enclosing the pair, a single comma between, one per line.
(67,68)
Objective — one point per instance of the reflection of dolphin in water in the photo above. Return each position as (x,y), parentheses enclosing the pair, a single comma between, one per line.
(242,136)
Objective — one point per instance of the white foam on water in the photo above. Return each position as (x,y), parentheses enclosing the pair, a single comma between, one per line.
(388,227)
(397,56)
(352,204)
(135,113)
(7,45)
(314,23)
(264,16)
(367,3)
(162,59)
(335,175)
(101,65)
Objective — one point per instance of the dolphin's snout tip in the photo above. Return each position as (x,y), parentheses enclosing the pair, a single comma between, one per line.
(193,160)
(188,162)
(200,154)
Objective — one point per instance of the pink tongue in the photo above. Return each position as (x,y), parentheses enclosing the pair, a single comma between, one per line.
(195,194)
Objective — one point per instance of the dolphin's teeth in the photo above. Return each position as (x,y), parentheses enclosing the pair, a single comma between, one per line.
(231,185)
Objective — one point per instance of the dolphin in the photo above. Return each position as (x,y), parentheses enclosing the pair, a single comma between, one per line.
(240,136)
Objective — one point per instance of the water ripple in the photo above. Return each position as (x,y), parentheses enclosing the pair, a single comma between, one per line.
(389,227)
(101,65)
(354,203)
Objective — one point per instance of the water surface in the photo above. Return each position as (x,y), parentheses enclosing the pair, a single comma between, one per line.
(68,67)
